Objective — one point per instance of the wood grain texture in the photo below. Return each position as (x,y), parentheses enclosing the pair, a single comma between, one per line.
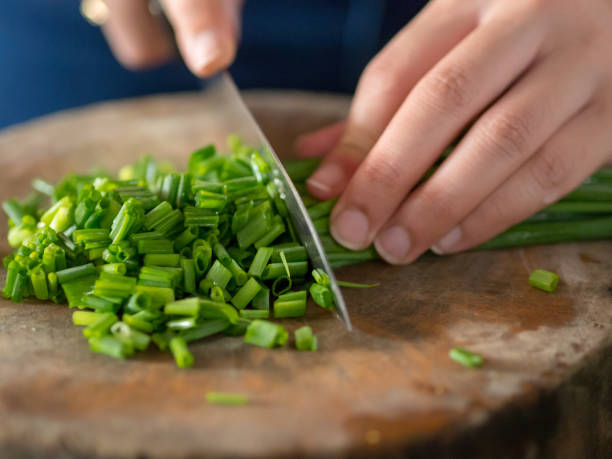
(388,389)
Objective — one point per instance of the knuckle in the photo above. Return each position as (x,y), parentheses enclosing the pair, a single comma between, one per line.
(138,58)
(379,78)
(495,209)
(383,174)
(448,88)
(439,203)
(551,170)
(508,135)
(354,146)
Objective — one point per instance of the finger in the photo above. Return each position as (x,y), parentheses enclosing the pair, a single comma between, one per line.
(206,32)
(319,142)
(137,38)
(385,83)
(454,92)
(565,161)
(503,138)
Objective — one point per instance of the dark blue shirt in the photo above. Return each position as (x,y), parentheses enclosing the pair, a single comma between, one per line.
(53,59)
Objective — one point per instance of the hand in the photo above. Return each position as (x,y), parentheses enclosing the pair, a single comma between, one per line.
(535,79)
(206,32)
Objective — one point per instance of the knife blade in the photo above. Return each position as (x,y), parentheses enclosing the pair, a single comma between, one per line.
(239,120)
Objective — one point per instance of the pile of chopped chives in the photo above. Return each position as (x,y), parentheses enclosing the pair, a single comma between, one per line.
(170,258)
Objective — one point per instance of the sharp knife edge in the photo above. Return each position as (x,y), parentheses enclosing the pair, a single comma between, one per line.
(228,93)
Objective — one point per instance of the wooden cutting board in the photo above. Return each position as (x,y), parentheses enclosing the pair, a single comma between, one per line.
(387,389)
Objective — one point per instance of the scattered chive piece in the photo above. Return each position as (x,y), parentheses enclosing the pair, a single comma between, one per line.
(356,284)
(322,295)
(266,334)
(226,398)
(305,340)
(544,280)
(465,357)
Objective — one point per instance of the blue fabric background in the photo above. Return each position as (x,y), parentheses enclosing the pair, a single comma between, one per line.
(52,59)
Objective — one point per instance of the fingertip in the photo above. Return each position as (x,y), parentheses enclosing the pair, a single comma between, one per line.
(209,51)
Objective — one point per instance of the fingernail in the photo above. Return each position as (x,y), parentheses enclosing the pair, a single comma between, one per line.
(327,177)
(350,229)
(206,48)
(393,244)
(449,241)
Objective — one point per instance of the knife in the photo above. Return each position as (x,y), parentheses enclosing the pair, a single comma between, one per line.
(239,120)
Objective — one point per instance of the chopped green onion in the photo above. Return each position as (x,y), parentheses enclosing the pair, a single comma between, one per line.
(138,323)
(266,334)
(114,268)
(246,293)
(260,261)
(219,274)
(289,308)
(296,253)
(138,302)
(72,274)
(544,280)
(38,279)
(465,357)
(205,329)
(320,277)
(85,318)
(252,314)
(215,310)
(275,270)
(101,326)
(262,300)
(356,285)
(281,285)
(226,398)
(162,259)
(129,336)
(305,340)
(277,229)
(182,356)
(108,345)
(155,246)
(186,307)
(189,275)
(322,295)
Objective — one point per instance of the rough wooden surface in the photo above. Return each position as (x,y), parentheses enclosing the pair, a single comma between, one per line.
(386,389)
